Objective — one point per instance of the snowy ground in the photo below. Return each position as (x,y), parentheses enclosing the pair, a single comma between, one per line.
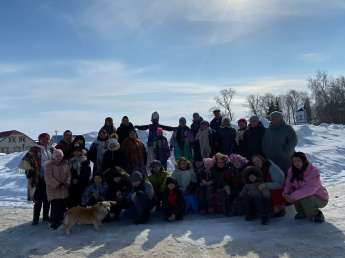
(195,236)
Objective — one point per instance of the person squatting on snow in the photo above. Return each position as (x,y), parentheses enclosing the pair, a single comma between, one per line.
(141,200)
(157,180)
(187,183)
(58,179)
(231,182)
(96,191)
(173,201)
(80,170)
(33,164)
(205,193)
(254,198)
(182,140)
(113,157)
(303,188)
(161,150)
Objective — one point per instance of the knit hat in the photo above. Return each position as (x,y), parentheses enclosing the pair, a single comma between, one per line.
(182,119)
(208,161)
(155,115)
(136,176)
(301,155)
(113,140)
(242,120)
(170,180)
(98,172)
(204,122)
(155,163)
(196,114)
(43,135)
(254,118)
(57,152)
(159,130)
(276,114)
(77,147)
(225,118)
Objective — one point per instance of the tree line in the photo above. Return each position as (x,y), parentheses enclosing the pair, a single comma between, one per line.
(325,103)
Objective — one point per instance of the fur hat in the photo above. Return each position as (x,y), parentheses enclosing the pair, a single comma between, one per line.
(204,122)
(242,120)
(155,163)
(57,152)
(301,155)
(43,135)
(276,114)
(136,176)
(225,118)
(254,118)
(252,170)
(159,130)
(170,180)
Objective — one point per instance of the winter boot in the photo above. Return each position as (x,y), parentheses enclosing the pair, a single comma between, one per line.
(46,206)
(37,211)
(264,220)
(249,217)
(319,218)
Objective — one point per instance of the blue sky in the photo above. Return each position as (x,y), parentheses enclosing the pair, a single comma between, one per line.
(69,64)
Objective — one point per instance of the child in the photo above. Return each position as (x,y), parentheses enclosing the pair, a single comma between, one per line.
(187,182)
(80,173)
(96,191)
(58,178)
(161,150)
(118,189)
(141,198)
(157,179)
(206,180)
(232,184)
(198,166)
(113,157)
(252,197)
(173,201)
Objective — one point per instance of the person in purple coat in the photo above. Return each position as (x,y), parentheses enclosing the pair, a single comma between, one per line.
(303,188)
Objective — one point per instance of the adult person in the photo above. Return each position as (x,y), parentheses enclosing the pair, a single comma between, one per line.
(33,164)
(274,179)
(216,122)
(226,138)
(65,143)
(196,124)
(204,142)
(79,141)
(152,134)
(123,129)
(109,126)
(98,149)
(303,188)
(252,138)
(135,152)
(279,142)
(241,149)
(181,140)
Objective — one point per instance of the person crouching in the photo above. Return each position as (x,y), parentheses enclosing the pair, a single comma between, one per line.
(173,201)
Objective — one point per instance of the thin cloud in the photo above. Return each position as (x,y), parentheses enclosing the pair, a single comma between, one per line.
(314,57)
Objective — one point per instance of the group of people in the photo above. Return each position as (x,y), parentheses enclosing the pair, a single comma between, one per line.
(253,171)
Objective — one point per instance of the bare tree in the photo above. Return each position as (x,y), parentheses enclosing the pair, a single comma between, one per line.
(253,104)
(224,101)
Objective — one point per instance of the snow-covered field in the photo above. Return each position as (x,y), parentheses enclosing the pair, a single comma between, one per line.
(195,236)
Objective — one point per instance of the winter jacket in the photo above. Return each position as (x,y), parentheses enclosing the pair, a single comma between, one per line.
(233,177)
(207,176)
(157,180)
(252,139)
(124,186)
(173,198)
(97,151)
(102,189)
(251,188)
(80,169)
(241,148)
(186,179)
(114,158)
(195,126)
(161,148)
(110,129)
(204,144)
(278,144)
(216,123)
(123,131)
(226,140)
(310,185)
(182,143)
(273,176)
(153,131)
(64,146)
(56,174)
(144,191)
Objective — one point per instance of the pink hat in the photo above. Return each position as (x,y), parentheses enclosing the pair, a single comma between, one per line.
(159,130)
(208,161)
(57,152)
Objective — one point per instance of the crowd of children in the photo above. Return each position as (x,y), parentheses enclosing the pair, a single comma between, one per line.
(208,176)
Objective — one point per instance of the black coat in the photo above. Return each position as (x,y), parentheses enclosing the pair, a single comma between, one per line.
(179,200)
(252,139)
(226,139)
(124,186)
(123,132)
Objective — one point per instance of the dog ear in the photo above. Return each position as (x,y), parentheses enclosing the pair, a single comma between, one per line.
(100,203)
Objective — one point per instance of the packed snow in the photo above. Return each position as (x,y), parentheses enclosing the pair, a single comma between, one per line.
(212,235)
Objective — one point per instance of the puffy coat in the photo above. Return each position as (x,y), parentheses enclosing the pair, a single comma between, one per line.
(278,144)
(123,131)
(252,139)
(226,139)
(157,180)
(310,185)
(55,174)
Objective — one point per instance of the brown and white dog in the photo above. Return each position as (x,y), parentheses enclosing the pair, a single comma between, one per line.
(86,215)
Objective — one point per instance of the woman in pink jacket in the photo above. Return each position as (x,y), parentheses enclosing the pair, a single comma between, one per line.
(58,178)
(303,188)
